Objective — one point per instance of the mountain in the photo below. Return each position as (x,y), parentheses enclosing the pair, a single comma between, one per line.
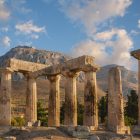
(33,55)
(129,78)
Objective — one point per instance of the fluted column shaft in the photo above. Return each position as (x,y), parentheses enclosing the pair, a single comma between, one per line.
(31,100)
(71,99)
(90,100)
(139,92)
(54,101)
(5,98)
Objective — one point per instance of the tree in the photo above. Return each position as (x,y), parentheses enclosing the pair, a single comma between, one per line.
(103,108)
(42,114)
(80,112)
(62,112)
(131,108)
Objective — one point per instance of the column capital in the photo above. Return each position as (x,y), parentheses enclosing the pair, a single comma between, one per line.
(91,68)
(28,75)
(70,74)
(53,78)
(6,70)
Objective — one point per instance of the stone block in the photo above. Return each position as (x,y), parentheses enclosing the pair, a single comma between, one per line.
(82,128)
(9,138)
(29,124)
(80,134)
(94,137)
(37,123)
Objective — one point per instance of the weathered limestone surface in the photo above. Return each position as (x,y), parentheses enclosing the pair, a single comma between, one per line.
(139,92)
(54,101)
(5,97)
(83,63)
(71,99)
(31,100)
(136,54)
(115,103)
(24,66)
(90,101)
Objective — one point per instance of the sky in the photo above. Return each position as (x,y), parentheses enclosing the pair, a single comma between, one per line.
(105,29)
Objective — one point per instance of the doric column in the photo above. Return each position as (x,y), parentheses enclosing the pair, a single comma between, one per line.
(71,99)
(115,103)
(5,98)
(90,100)
(139,92)
(54,101)
(31,100)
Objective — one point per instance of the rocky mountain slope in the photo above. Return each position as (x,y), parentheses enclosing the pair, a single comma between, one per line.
(129,78)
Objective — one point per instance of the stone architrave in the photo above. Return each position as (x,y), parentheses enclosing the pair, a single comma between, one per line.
(90,101)
(54,101)
(31,100)
(115,103)
(5,97)
(71,99)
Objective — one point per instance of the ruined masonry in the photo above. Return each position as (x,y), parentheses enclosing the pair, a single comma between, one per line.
(115,103)
(70,69)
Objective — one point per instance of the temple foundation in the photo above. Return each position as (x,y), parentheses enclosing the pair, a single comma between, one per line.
(5,98)
(54,101)
(115,103)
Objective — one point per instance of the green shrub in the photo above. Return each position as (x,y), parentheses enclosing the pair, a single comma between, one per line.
(18,121)
(129,121)
(42,114)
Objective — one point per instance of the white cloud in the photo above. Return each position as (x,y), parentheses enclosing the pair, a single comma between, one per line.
(29,28)
(92,13)
(34,36)
(4,12)
(6,41)
(114,50)
(20,6)
(139,23)
(134,32)
(4,29)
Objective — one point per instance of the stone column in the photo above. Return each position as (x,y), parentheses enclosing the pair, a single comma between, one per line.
(115,103)
(90,101)
(71,99)
(31,100)
(54,101)
(139,92)
(5,98)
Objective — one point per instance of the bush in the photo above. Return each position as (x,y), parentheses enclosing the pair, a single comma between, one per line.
(18,121)
(129,121)
(103,108)
(131,109)
(80,112)
(42,114)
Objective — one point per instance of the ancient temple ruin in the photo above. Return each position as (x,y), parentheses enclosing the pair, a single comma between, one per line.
(70,70)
